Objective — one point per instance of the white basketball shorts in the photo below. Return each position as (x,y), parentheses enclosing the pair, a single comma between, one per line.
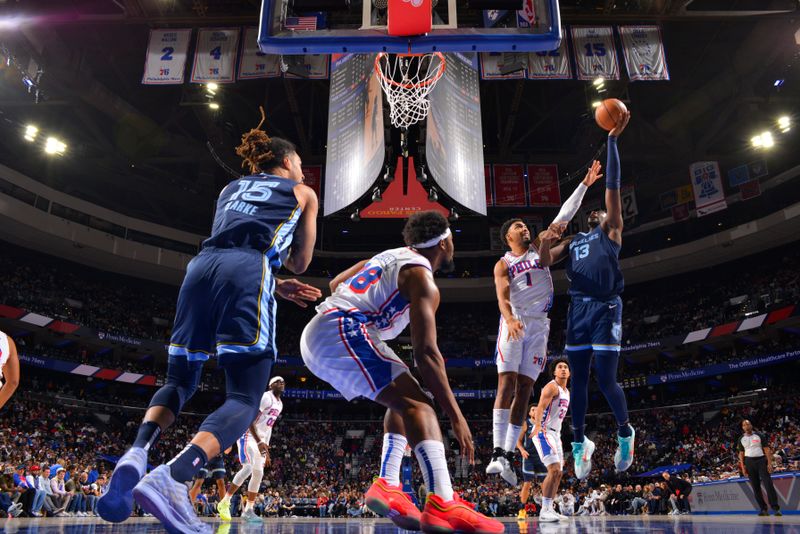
(344,351)
(548,445)
(526,356)
(249,453)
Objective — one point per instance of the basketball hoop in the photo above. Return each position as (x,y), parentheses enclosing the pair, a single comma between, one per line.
(407,80)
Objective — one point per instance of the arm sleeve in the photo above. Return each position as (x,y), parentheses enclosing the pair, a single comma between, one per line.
(571,205)
(613,177)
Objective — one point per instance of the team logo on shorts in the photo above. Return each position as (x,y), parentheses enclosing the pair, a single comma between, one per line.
(616,331)
(415,3)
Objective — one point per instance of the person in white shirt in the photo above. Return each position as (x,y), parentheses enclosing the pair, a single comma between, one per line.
(254,451)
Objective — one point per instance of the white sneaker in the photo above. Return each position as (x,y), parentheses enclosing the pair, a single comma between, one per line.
(167,499)
(623,457)
(582,455)
(495,466)
(249,515)
(508,473)
(548,516)
(561,516)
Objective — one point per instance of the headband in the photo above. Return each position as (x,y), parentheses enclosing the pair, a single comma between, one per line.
(434,241)
(275,379)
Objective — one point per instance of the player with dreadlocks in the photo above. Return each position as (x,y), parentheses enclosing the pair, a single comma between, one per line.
(226,307)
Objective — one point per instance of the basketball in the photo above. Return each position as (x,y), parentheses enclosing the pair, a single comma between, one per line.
(608,112)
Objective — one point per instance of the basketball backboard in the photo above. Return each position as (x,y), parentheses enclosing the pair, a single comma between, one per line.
(362,29)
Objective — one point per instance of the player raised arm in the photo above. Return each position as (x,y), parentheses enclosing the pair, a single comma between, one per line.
(549,392)
(502,285)
(305,236)
(417,283)
(612,224)
(10,372)
(347,273)
(551,253)
(573,203)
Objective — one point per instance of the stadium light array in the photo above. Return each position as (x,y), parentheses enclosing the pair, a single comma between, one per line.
(763,140)
(784,123)
(213,105)
(596,104)
(55,146)
(31,132)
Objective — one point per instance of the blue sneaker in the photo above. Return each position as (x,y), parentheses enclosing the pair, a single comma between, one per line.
(623,458)
(249,516)
(116,504)
(167,499)
(582,454)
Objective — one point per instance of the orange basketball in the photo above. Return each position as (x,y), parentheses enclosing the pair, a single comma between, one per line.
(608,113)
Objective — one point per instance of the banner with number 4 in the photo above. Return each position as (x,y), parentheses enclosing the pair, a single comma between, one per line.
(166,57)
(215,55)
(595,52)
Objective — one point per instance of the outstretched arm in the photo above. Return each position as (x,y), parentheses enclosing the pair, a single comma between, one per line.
(573,203)
(549,253)
(612,225)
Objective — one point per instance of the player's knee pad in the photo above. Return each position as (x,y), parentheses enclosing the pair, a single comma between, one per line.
(255,480)
(183,378)
(242,474)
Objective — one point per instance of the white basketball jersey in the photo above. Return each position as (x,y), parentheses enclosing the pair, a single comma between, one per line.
(5,352)
(269,410)
(373,292)
(531,287)
(556,411)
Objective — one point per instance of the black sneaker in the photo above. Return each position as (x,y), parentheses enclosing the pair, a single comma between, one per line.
(763,513)
(778,513)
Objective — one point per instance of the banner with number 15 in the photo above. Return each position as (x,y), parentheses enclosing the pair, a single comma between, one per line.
(215,55)
(166,57)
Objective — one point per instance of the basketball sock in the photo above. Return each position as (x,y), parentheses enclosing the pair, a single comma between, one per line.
(187,463)
(499,427)
(547,503)
(394,445)
(580,363)
(249,505)
(148,435)
(226,498)
(625,430)
(512,435)
(606,362)
(432,462)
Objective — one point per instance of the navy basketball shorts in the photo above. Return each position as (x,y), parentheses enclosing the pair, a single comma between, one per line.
(532,466)
(214,469)
(594,324)
(225,307)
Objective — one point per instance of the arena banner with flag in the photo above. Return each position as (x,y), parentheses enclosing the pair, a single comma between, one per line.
(215,55)
(509,185)
(552,65)
(253,63)
(643,50)
(494,63)
(543,188)
(709,197)
(165,63)
(595,52)
(724,367)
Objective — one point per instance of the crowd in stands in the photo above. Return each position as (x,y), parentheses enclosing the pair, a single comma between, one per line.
(54,460)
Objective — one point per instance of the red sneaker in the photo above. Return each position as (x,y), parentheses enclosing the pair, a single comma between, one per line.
(440,517)
(392,502)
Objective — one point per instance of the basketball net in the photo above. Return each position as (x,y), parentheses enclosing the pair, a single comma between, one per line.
(407,80)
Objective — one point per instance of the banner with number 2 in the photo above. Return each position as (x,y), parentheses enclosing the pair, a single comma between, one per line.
(166,57)
(215,55)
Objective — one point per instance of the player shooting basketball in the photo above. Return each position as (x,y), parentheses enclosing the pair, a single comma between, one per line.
(594,321)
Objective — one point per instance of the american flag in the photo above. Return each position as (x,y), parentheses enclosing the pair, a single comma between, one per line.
(301,23)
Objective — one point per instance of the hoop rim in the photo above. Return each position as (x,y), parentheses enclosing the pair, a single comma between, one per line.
(424,83)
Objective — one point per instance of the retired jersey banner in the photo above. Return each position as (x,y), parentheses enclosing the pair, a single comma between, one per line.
(543,188)
(595,53)
(166,57)
(487,175)
(709,197)
(253,63)
(629,207)
(215,55)
(509,185)
(552,65)
(493,64)
(644,54)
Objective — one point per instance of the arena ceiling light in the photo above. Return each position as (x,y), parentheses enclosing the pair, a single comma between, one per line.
(31,132)
(784,123)
(55,146)
(596,104)
(213,105)
(763,140)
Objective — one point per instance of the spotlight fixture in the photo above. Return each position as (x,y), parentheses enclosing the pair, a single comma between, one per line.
(433,196)
(213,105)
(779,82)
(756,141)
(784,123)
(31,132)
(453,217)
(598,82)
(421,175)
(766,140)
(376,195)
(55,146)
(596,104)
(212,87)
(355,216)
(388,175)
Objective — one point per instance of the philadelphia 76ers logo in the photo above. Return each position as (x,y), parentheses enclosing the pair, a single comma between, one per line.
(415,3)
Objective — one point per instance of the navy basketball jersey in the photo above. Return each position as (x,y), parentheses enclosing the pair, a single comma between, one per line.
(593,266)
(257,212)
(527,441)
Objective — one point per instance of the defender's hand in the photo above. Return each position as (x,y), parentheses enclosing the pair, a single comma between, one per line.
(593,174)
(297,292)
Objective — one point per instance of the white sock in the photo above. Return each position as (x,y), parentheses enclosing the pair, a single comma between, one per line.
(512,434)
(226,498)
(249,505)
(394,445)
(499,427)
(547,503)
(432,462)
